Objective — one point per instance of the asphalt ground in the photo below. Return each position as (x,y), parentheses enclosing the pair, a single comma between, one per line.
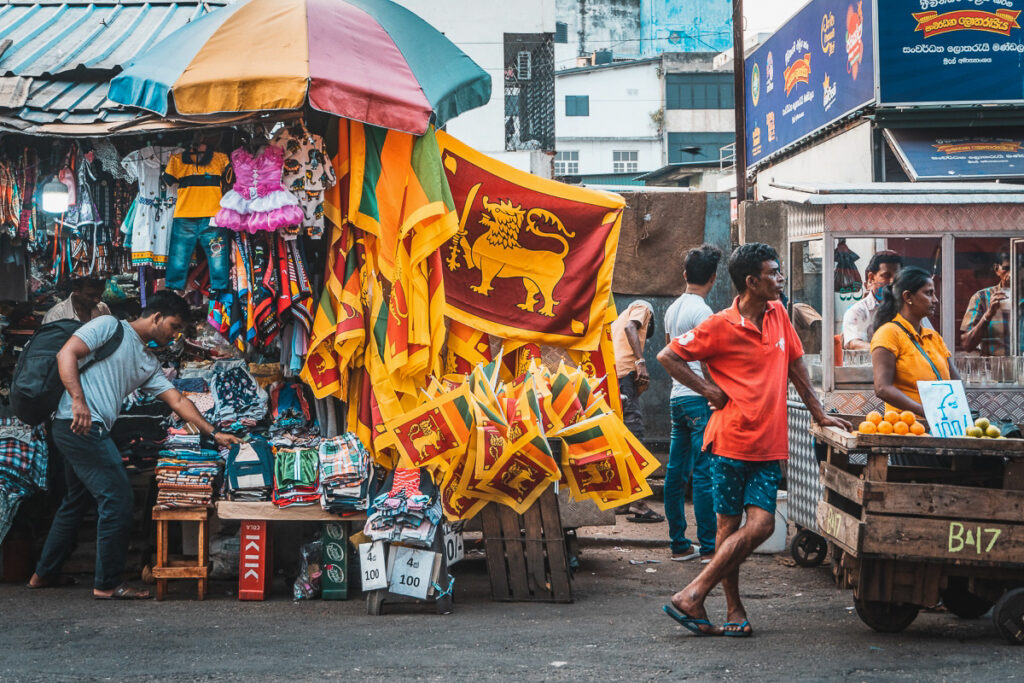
(805,629)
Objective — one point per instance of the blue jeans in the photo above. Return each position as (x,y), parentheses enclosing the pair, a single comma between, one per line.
(93,469)
(686,458)
(215,243)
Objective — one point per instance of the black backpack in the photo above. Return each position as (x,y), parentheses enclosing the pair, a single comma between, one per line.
(37,388)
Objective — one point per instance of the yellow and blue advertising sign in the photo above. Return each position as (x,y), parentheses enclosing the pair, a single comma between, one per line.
(816,69)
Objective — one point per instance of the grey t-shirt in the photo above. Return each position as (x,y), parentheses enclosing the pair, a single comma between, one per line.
(107,383)
(685,313)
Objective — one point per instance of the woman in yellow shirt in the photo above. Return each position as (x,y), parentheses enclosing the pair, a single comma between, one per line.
(902,350)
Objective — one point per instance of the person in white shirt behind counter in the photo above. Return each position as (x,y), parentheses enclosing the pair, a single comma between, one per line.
(858,321)
(84,303)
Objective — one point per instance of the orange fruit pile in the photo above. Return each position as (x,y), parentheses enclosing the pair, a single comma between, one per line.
(891,423)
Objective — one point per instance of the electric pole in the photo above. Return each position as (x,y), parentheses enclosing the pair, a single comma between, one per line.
(739,95)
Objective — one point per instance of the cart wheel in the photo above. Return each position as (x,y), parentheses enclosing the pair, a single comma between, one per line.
(886,617)
(375,603)
(808,548)
(961,601)
(1008,616)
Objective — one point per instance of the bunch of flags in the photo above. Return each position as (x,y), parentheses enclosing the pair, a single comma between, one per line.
(487,440)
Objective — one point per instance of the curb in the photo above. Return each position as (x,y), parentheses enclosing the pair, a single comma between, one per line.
(610,541)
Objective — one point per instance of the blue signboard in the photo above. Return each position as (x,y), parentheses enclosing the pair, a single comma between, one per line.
(950,51)
(955,154)
(814,70)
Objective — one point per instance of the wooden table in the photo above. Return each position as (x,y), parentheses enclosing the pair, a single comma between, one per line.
(254,565)
(949,525)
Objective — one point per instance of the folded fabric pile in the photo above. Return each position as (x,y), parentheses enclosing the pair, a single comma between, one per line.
(249,472)
(186,481)
(23,459)
(237,395)
(296,477)
(344,474)
(406,514)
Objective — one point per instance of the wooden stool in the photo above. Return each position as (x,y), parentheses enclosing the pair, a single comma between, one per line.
(181,567)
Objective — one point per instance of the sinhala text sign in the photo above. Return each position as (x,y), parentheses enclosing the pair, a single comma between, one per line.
(950,51)
(814,70)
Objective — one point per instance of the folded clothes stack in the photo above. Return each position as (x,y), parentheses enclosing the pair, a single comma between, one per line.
(292,425)
(296,477)
(405,514)
(344,474)
(249,472)
(237,395)
(186,481)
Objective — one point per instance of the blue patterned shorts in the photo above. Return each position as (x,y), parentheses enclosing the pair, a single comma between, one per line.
(739,483)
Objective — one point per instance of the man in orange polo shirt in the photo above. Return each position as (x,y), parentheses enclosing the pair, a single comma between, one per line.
(751,351)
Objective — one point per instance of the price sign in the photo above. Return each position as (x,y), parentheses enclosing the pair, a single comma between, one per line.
(371,564)
(454,546)
(945,407)
(410,572)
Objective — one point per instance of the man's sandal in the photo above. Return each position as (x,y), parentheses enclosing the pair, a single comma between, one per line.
(125,592)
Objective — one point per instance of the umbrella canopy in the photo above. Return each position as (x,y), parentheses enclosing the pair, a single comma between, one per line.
(368,60)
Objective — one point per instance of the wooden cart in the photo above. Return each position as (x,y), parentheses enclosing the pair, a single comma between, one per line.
(915,519)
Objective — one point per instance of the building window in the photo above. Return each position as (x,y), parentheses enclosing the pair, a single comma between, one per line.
(561,32)
(567,163)
(689,147)
(524,66)
(625,161)
(529,92)
(699,91)
(577,105)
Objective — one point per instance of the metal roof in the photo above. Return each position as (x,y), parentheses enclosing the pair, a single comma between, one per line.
(69,51)
(900,193)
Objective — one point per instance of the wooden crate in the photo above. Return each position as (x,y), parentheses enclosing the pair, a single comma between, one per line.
(526,554)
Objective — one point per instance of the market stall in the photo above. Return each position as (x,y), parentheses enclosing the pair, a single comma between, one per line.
(399,326)
(962,235)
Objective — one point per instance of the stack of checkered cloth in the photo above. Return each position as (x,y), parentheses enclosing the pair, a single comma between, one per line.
(344,473)
(296,477)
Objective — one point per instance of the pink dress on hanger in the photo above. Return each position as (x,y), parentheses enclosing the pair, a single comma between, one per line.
(258,200)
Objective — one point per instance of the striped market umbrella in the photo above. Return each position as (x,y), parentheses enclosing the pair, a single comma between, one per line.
(368,60)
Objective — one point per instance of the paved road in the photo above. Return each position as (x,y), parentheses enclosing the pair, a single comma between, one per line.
(806,630)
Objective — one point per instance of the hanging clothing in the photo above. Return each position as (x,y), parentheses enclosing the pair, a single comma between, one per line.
(258,201)
(88,244)
(215,242)
(199,177)
(307,173)
(151,222)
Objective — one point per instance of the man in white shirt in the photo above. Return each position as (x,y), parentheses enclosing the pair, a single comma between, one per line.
(690,414)
(84,303)
(858,321)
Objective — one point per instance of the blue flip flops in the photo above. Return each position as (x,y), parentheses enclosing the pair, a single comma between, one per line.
(739,632)
(691,624)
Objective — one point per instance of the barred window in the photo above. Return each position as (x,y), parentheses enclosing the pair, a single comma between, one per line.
(625,161)
(699,91)
(567,163)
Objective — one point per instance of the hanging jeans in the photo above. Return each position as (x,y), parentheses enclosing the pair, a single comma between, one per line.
(93,470)
(214,241)
(686,459)
(632,415)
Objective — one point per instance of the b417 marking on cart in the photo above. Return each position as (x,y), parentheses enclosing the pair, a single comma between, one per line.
(963,538)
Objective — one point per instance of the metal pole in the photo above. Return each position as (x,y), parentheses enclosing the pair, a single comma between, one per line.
(739,94)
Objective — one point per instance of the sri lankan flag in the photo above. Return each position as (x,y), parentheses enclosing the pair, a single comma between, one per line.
(600,363)
(516,358)
(467,348)
(437,430)
(398,192)
(532,259)
(590,459)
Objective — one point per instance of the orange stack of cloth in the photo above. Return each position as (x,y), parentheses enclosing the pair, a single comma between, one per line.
(187,473)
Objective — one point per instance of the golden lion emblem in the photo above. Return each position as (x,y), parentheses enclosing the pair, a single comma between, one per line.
(517,478)
(424,433)
(498,254)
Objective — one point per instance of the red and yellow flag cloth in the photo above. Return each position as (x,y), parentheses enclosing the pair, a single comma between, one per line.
(532,259)
(384,293)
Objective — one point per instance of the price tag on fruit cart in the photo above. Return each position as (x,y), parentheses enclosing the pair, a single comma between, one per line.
(410,572)
(454,546)
(371,564)
(945,407)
